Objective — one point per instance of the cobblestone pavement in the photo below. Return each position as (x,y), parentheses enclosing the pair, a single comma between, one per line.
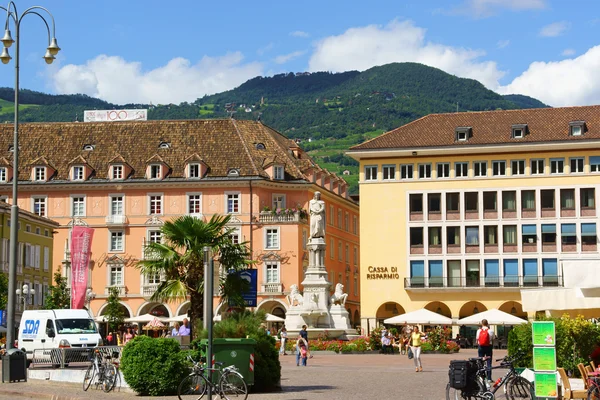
(327,376)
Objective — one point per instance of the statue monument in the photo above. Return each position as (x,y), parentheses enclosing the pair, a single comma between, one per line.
(315,307)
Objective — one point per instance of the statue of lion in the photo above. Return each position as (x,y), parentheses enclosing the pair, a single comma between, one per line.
(339,297)
(295,296)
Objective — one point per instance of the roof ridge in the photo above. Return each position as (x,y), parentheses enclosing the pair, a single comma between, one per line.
(388,132)
(245,146)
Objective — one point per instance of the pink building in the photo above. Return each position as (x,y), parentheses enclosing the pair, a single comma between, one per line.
(124,179)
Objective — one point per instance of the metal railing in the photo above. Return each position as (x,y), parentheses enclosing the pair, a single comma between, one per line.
(269,217)
(71,356)
(484,282)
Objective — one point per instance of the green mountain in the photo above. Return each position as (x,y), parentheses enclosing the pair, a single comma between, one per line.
(328,112)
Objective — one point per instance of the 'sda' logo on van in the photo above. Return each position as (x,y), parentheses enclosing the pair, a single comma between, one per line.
(31,327)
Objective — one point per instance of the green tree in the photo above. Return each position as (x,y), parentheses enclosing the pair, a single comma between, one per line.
(58,294)
(113,312)
(180,260)
(3,291)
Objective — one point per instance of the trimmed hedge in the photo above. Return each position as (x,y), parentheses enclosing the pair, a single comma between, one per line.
(153,367)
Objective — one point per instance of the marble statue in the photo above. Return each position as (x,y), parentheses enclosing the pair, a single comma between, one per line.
(295,296)
(316,208)
(339,297)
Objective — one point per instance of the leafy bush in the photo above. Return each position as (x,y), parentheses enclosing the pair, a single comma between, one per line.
(575,339)
(375,338)
(153,366)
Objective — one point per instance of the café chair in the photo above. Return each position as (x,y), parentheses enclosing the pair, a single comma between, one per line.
(569,393)
(584,375)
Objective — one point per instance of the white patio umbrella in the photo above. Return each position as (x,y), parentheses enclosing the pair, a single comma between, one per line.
(143,318)
(177,318)
(100,318)
(421,316)
(494,317)
(274,318)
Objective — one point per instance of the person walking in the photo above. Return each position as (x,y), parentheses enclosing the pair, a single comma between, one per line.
(415,347)
(128,336)
(302,351)
(484,338)
(283,339)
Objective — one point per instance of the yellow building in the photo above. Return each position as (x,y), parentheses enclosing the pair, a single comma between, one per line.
(461,212)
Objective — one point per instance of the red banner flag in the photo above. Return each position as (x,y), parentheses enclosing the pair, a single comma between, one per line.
(81,247)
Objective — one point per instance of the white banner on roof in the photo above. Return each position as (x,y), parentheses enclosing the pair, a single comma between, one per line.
(114,115)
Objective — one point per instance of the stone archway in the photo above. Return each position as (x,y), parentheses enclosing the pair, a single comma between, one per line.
(156,309)
(468,331)
(183,308)
(356,318)
(388,310)
(514,308)
(440,308)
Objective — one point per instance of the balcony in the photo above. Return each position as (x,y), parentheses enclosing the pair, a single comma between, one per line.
(149,289)
(122,290)
(268,217)
(271,289)
(116,220)
(507,283)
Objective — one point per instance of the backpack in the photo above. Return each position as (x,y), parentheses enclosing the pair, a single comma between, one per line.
(461,373)
(484,337)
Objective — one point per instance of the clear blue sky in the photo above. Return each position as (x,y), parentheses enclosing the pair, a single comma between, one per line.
(161,52)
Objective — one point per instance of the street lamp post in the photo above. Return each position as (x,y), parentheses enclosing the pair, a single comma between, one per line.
(23,294)
(208,306)
(89,296)
(13,16)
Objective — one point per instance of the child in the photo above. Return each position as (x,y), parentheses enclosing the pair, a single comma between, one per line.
(303,354)
(301,351)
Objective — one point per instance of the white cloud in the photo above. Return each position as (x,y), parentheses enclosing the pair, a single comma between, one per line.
(364,47)
(485,8)
(555,29)
(568,82)
(118,81)
(502,43)
(282,59)
(568,52)
(265,49)
(301,34)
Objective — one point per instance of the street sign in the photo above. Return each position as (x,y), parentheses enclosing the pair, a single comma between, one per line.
(2,317)
(251,275)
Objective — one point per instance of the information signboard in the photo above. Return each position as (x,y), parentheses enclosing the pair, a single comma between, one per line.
(543,333)
(546,384)
(544,359)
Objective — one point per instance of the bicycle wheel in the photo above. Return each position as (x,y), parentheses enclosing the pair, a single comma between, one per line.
(192,387)
(88,378)
(519,388)
(593,393)
(233,386)
(110,378)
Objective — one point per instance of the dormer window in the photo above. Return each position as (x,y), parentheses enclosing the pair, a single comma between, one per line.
(88,147)
(463,133)
(278,172)
(576,128)
(164,145)
(155,171)
(233,172)
(519,131)
(40,173)
(260,146)
(194,171)
(3,174)
(117,172)
(78,173)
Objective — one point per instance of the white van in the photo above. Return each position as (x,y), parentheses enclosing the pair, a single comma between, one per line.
(52,329)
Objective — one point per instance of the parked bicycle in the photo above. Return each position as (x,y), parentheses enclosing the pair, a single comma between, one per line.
(230,384)
(101,371)
(468,381)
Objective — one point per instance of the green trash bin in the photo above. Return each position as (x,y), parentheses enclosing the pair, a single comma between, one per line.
(238,352)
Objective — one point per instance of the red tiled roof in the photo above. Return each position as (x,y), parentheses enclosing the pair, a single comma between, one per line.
(489,128)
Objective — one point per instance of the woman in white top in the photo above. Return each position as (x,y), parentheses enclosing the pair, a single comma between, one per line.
(283,335)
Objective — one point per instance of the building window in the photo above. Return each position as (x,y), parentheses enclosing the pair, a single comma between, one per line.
(568,233)
(356,286)
(272,238)
(471,201)
(463,133)
(490,201)
(194,204)
(509,201)
(424,171)
(278,172)
(278,201)
(116,205)
(547,199)
(416,237)
(235,235)
(304,239)
(78,173)
(355,256)
(233,203)
(116,275)
(116,241)
(78,206)
(154,236)
(340,254)
(567,199)
(576,128)
(453,235)
(417,273)
(416,203)
(461,169)
(588,234)
(435,236)
(40,174)
(537,167)
(452,202)
(510,234)
(498,168)
(406,171)
(355,224)
(472,235)
(3,175)
(194,170)
(480,168)
(272,272)
(517,167)
(346,222)
(117,172)
(595,164)
(588,198)
(529,233)
(155,204)
(339,224)
(331,215)
(436,273)
(39,206)
(389,172)
(548,233)
(528,200)
(331,249)
(518,131)
(473,274)
(155,171)
(443,170)
(557,165)
(454,268)
(492,272)
(490,235)
(576,165)
(434,201)
(371,173)
(550,272)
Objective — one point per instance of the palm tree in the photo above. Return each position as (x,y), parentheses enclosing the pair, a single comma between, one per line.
(179,259)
